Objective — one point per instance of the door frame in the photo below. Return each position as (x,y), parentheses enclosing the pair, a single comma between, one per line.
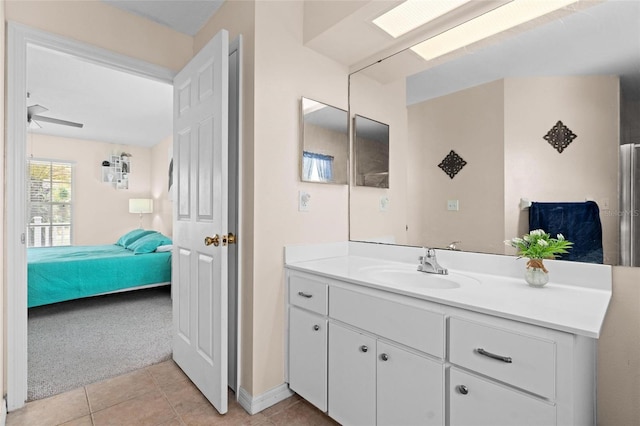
(18,38)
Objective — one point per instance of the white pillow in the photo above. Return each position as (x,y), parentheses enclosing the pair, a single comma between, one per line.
(167,247)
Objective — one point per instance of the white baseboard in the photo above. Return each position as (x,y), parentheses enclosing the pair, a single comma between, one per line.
(254,405)
(3,412)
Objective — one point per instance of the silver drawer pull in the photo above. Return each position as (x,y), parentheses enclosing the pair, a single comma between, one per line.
(316,327)
(506,359)
(384,357)
(303,294)
(364,348)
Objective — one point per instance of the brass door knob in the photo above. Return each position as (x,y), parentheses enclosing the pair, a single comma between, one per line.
(231,239)
(215,240)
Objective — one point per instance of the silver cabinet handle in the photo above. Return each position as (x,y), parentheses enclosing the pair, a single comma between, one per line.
(384,357)
(462,389)
(364,348)
(316,327)
(303,294)
(506,359)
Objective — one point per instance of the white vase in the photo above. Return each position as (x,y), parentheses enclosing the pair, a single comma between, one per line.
(536,277)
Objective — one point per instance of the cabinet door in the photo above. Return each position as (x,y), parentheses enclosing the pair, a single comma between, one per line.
(410,388)
(352,377)
(308,356)
(477,401)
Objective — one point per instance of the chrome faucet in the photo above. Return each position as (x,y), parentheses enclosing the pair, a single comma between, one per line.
(453,246)
(429,263)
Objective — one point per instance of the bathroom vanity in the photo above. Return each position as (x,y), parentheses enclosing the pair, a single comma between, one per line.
(371,341)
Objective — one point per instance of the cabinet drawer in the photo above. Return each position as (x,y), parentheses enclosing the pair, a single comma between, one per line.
(409,325)
(480,402)
(308,293)
(521,360)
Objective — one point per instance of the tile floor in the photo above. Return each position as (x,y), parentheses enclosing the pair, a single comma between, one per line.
(157,395)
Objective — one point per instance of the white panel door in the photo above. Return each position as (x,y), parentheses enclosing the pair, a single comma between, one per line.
(199,268)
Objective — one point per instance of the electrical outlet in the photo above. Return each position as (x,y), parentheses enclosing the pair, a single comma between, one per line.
(452,205)
(304,201)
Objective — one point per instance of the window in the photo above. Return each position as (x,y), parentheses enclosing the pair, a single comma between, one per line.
(317,167)
(50,202)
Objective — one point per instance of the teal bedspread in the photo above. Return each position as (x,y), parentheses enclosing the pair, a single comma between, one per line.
(57,274)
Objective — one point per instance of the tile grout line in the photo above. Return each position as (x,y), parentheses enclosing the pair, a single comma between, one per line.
(124,400)
(164,395)
(86,395)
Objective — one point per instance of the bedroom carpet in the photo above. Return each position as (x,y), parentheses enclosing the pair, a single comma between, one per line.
(84,341)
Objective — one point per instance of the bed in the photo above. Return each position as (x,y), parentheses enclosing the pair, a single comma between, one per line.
(57,274)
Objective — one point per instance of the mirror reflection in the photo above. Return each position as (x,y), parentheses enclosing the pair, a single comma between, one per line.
(371,145)
(493,104)
(325,143)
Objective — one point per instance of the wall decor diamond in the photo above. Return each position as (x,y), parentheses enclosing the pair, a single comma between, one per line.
(452,164)
(560,136)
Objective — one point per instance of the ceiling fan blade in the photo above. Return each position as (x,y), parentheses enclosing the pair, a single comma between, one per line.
(56,121)
(35,109)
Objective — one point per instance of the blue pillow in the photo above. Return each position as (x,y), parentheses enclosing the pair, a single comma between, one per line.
(132,236)
(149,243)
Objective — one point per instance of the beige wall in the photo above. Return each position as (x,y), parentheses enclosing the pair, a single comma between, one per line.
(619,353)
(100,212)
(101,25)
(162,217)
(384,103)
(471,123)
(586,169)
(285,71)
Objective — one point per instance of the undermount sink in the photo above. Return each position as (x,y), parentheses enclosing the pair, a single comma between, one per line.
(409,277)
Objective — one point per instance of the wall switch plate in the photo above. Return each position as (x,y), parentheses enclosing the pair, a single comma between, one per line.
(452,205)
(384,203)
(304,201)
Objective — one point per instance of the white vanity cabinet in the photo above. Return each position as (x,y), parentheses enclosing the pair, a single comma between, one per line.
(308,339)
(384,358)
(373,382)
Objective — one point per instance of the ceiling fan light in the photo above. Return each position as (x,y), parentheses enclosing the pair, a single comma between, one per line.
(491,23)
(413,14)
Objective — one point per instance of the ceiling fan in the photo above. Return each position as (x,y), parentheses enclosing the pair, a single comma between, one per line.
(33,116)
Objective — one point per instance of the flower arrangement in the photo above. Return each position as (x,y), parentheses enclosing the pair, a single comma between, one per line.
(538,245)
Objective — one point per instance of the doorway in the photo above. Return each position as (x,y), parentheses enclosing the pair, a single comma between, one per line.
(19,39)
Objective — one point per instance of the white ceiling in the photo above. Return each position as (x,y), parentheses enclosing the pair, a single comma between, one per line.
(114,106)
(603,39)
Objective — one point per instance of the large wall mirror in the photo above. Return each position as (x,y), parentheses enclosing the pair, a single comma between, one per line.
(325,143)
(492,104)
(371,146)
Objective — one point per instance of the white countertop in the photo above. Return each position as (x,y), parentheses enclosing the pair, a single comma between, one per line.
(570,308)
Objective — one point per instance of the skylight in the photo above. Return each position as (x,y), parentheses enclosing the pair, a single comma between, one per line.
(414,13)
(510,15)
